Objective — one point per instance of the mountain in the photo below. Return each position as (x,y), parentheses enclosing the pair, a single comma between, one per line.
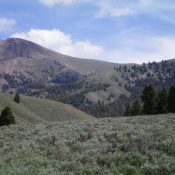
(36,110)
(99,88)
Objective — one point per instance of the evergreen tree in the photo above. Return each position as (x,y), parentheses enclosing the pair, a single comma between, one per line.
(136,109)
(6,117)
(162,102)
(149,100)
(171,99)
(17,98)
(128,110)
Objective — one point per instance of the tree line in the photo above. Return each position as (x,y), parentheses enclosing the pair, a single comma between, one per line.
(153,101)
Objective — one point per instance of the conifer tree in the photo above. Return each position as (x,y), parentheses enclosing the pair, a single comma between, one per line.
(171,99)
(136,109)
(6,117)
(149,100)
(128,110)
(17,98)
(162,102)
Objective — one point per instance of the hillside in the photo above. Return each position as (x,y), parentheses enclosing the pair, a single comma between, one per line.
(124,146)
(99,88)
(36,110)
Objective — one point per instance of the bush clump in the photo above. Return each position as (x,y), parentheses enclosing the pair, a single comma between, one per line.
(6,117)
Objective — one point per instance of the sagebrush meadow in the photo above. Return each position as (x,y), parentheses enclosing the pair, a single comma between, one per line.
(143,145)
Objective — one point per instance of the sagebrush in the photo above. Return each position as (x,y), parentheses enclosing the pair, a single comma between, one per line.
(123,146)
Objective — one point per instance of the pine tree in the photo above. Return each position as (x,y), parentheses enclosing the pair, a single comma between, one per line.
(149,100)
(136,109)
(162,102)
(6,117)
(17,98)
(128,110)
(171,99)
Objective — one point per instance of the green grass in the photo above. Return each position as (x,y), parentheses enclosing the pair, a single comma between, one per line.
(143,145)
(37,110)
(102,73)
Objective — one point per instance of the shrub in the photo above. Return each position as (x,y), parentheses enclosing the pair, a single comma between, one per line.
(17,98)
(6,117)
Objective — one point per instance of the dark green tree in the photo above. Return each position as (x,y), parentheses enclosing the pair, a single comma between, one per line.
(17,98)
(128,110)
(162,102)
(171,99)
(6,117)
(136,108)
(148,97)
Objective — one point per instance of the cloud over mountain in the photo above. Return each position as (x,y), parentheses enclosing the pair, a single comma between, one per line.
(60,42)
(129,49)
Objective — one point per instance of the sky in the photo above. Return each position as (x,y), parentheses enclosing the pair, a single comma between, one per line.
(121,31)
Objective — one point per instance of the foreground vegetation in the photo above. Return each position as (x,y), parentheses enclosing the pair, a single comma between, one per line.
(143,145)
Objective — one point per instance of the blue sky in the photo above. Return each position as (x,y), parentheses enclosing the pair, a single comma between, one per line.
(112,30)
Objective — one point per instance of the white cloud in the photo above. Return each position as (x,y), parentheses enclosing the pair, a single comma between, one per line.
(121,7)
(107,9)
(6,24)
(133,49)
(51,3)
(142,49)
(60,42)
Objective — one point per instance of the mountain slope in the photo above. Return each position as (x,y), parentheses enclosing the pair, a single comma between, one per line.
(19,49)
(99,88)
(38,110)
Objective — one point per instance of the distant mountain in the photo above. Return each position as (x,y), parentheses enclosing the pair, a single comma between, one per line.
(37,110)
(99,88)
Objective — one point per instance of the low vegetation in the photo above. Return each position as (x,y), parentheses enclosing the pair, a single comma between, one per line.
(17,98)
(143,145)
(6,117)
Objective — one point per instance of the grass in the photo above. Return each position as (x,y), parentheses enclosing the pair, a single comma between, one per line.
(143,145)
(37,110)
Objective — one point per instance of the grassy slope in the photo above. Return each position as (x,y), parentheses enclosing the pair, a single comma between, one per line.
(40,110)
(143,145)
(102,72)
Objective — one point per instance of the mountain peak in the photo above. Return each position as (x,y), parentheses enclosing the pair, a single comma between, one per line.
(14,47)
(17,47)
